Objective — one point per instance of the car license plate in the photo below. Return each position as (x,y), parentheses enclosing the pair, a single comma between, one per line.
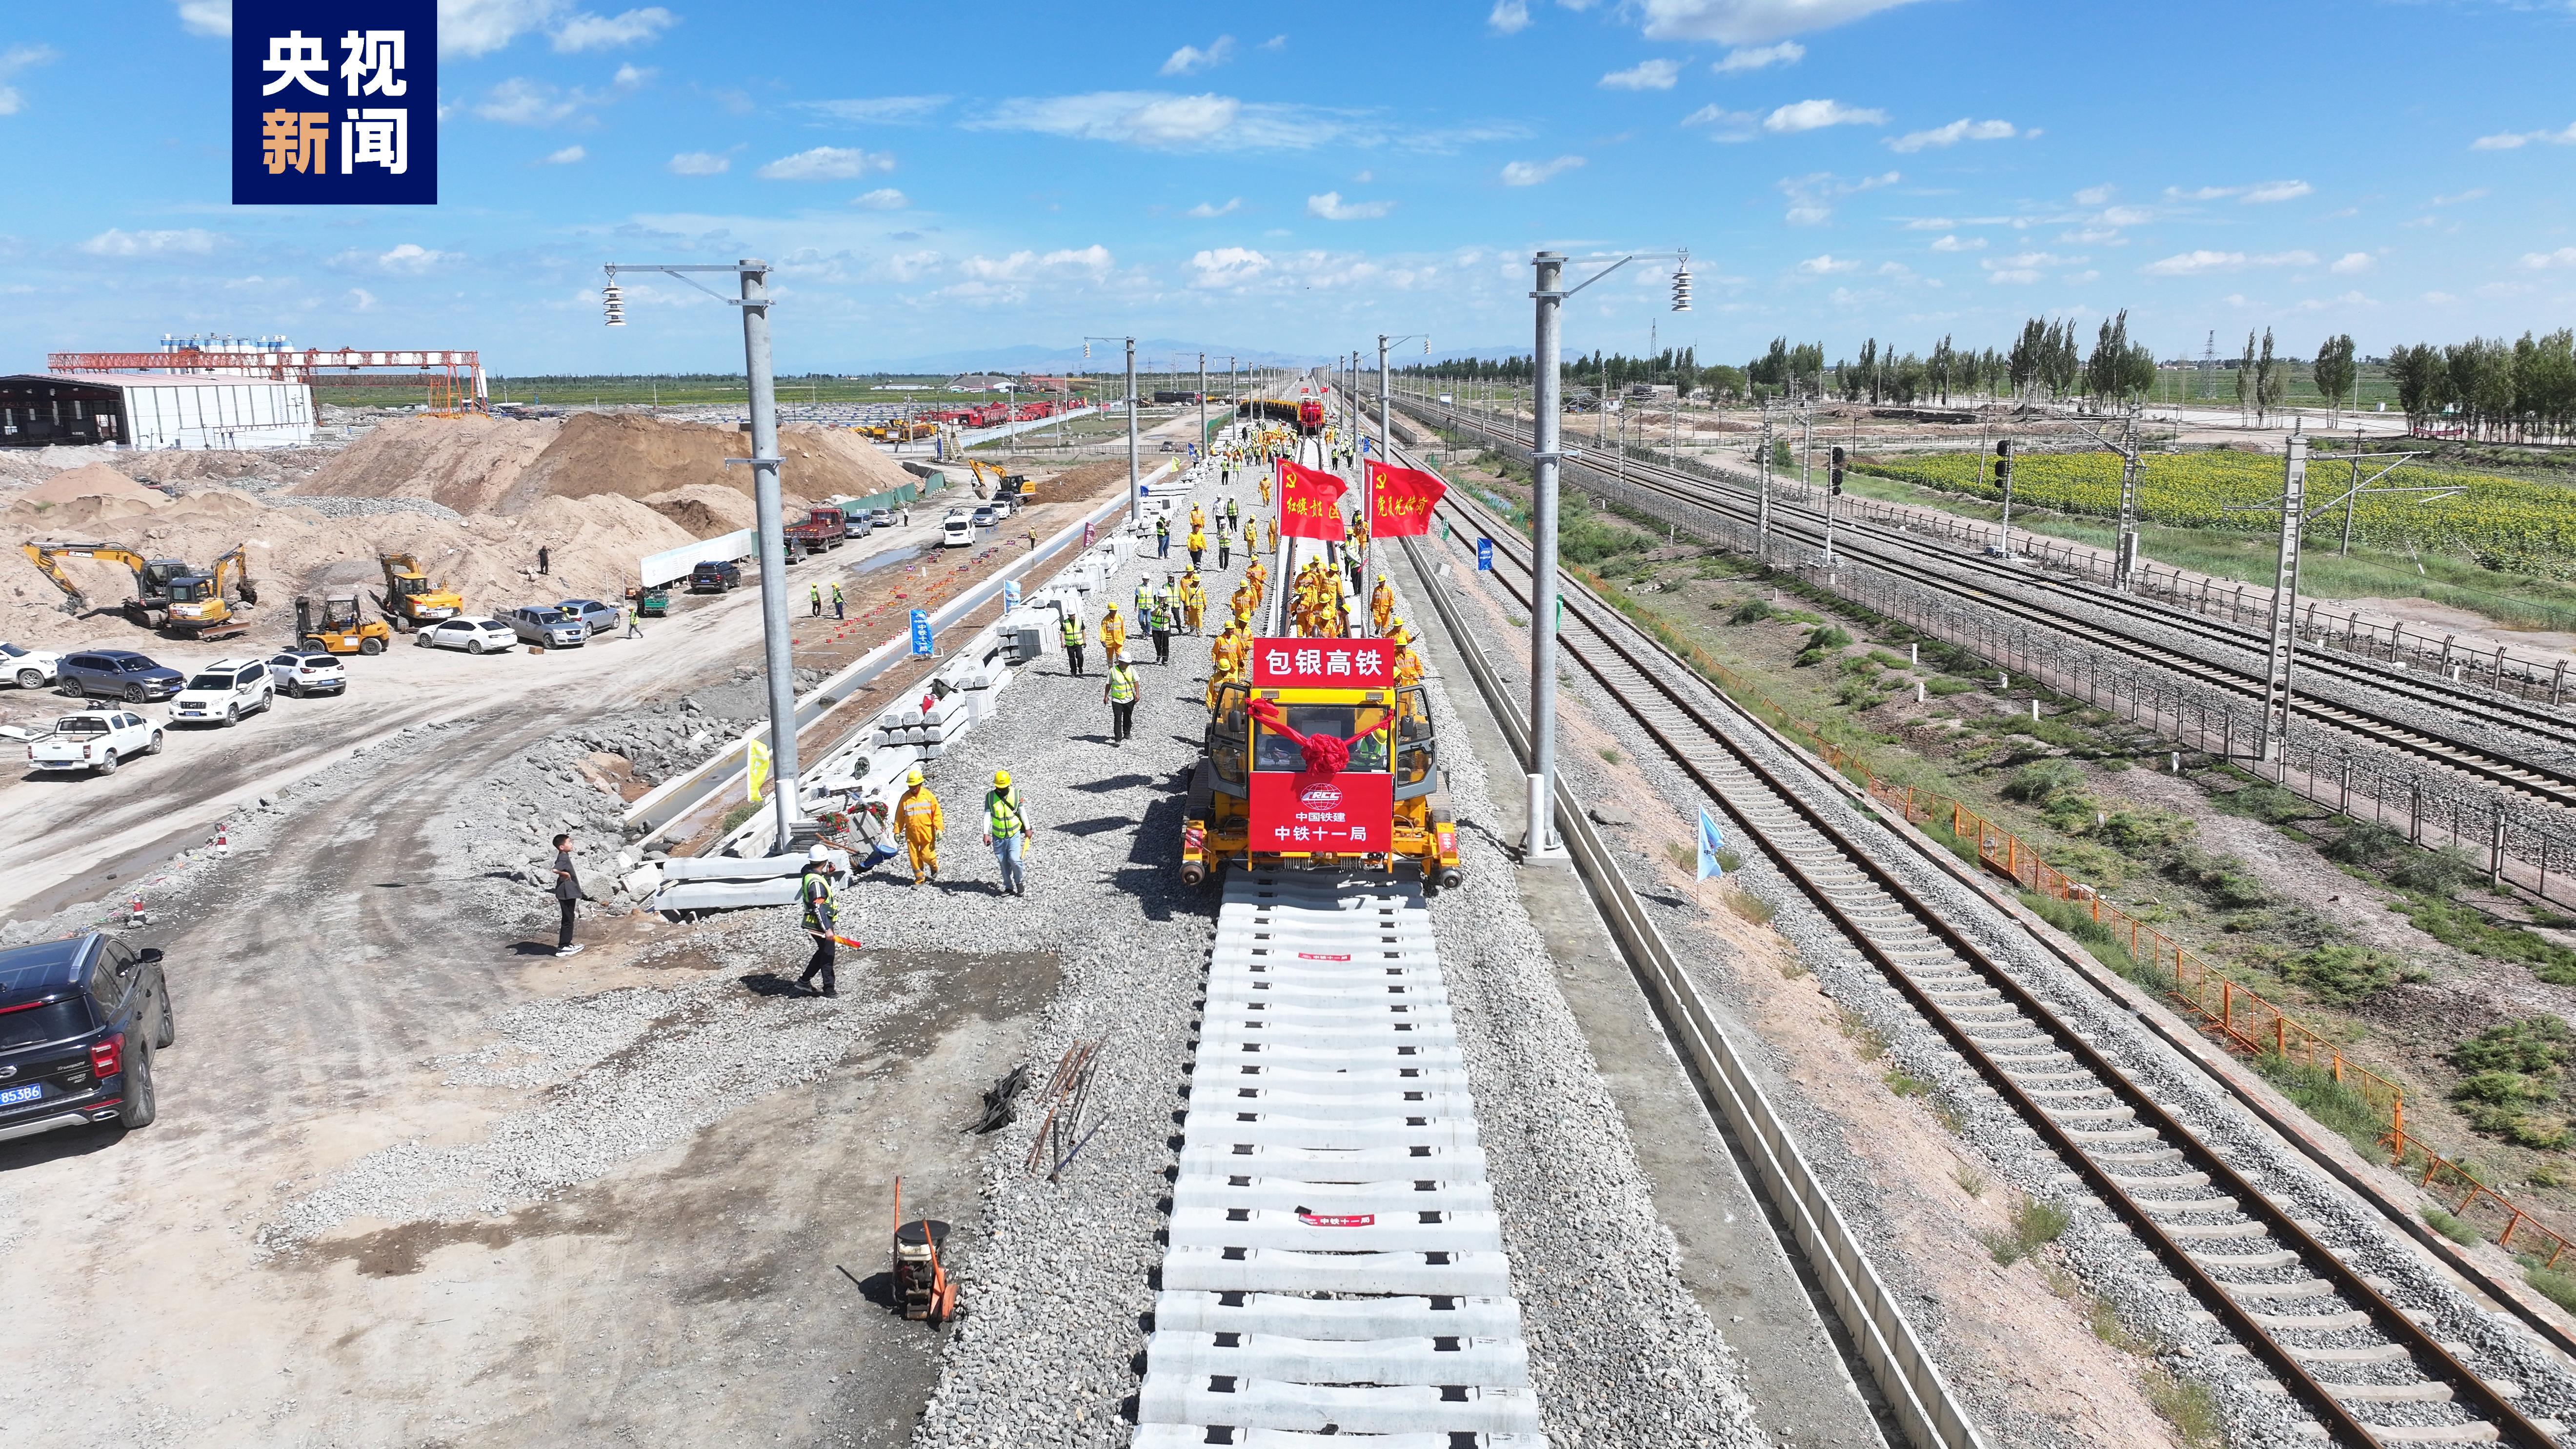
(15,1095)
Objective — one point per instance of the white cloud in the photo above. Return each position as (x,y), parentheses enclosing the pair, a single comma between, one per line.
(2087,275)
(1646,75)
(1509,17)
(1018,266)
(877,110)
(1205,209)
(1750,22)
(884,198)
(1723,124)
(2124,216)
(413,259)
(2095,195)
(1811,197)
(520,101)
(2353,264)
(1826,265)
(1931,223)
(1227,267)
(565,157)
(1531,173)
(1164,121)
(361,300)
(602,32)
(2013,276)
(479,27)
(2196,263)
(192,241)
(1190,60)
(1954,244)
(2516,140)
(1275,43)
(699,163)
(17,58)
(826,163)
(2023,261)
(1331,207)
(1760,57)
(1952,134)
(2250,195)
(1813,115)
(2440,299)
(2538,261)
(2454,199)
(206,17)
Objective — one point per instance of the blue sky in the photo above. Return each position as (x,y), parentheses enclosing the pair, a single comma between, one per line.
(934,179)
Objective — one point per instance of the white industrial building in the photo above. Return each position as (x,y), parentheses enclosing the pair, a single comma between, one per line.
(153,410)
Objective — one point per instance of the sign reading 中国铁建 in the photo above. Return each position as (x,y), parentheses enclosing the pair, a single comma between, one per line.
(335,103)
(1323,663)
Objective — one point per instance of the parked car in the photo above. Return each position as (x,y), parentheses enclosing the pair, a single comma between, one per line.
(474,636)
(593,615)
(117,674)
(883,518)
(987,514)
(715,578)
(224,691)
(301,672)
(547,627)
(97,741)
(80,1020)
(958,531)
(861,522)
(31,668)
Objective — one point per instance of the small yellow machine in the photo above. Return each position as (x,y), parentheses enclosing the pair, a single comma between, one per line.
(410,599)
(1320,759)
(338,627)
(201,604)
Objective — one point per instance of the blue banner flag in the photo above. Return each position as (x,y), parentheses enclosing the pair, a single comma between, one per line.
(1010,594)
(1484,555)
(921,641)
(1711,841)
(335,103)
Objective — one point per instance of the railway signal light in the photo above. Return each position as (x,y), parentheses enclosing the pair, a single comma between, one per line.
(2003,460)
(614,298)
(1834,475)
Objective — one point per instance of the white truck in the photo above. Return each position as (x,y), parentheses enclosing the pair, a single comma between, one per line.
(97,741)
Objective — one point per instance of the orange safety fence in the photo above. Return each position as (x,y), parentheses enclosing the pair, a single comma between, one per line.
(2228,1008)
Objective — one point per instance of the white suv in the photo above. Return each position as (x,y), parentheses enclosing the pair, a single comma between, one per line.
(32,668)
(223,692)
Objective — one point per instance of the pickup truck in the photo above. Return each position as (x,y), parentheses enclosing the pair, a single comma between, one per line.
(823,528)
(94,741)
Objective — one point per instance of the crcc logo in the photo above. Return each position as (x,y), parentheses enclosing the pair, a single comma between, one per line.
(1320,795)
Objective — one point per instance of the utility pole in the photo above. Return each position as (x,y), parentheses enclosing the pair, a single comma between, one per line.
(1540,842)
(1762,513)
(1807,447)
(2004,472)
(1201,449)
(2125,561)
(761,392)
(2285,606)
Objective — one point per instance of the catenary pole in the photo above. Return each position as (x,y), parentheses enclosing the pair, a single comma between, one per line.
(776,656)
(1540,842)
(1135,507)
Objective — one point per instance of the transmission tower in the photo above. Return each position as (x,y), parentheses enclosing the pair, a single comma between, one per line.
(2209,367)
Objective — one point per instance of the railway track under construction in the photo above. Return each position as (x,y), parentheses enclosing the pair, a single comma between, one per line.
(2344,1347)
(2208,652)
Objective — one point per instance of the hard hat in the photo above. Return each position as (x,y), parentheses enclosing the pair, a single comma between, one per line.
(818,855)
(912,776)
(1001,779)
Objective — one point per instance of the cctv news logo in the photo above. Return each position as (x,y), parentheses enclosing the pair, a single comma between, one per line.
(335,104)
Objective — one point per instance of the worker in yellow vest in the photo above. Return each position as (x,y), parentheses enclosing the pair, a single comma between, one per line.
(916,815)
(1193,602)
(1113,632)
(1006,829)
(1120,693)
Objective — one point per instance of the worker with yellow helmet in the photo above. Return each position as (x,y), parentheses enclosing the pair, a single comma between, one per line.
(917,818)
(1006,829)
(1381,605)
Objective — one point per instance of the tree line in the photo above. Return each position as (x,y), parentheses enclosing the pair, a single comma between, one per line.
(2489,389)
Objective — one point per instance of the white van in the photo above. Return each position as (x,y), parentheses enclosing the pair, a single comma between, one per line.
(959,530)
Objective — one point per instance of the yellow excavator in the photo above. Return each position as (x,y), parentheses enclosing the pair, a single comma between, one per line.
(154,578)
(410,599)
(201,604)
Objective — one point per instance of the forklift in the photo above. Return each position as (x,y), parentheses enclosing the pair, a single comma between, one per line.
(338,628)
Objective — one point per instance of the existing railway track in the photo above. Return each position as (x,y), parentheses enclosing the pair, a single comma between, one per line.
(2533,776)
(2332,1339)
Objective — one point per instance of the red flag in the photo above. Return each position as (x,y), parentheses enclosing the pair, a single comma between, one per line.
(1309,502)
(1401,500)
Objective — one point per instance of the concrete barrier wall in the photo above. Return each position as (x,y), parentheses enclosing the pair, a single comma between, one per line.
(675,563)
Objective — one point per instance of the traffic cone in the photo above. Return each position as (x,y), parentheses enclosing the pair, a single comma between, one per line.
(223,841)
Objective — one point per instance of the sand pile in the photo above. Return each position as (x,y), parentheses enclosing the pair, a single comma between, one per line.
(92,479)
(594,543)
(504,465)
(704,509)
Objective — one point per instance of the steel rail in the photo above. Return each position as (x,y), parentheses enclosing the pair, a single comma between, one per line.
(2427,1355)
(2466,758)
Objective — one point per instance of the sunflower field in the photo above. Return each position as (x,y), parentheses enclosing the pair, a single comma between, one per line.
(2502,523)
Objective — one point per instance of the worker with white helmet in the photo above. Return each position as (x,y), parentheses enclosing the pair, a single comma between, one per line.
(816,889)
(1006,829)
(916,817)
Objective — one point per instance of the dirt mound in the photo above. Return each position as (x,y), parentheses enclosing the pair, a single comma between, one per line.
(705,509)
(468,463)
(500,465)
(93,479)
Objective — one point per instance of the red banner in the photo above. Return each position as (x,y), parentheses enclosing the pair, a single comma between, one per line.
(1322,663)
(1401,500)
(1310,502)
(1345,814)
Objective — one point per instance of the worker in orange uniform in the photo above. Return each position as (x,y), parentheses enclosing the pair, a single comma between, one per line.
(1193,602)
(1381,606)
(916,815)
(1408,668)
(1113,633)
(1265,490)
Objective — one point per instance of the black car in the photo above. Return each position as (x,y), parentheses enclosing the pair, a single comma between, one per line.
(118,674)
(80,1020)
(715,578)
